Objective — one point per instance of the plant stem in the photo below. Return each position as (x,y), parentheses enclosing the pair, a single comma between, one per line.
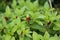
(50,3)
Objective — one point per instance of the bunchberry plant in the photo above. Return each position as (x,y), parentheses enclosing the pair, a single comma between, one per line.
(28,20)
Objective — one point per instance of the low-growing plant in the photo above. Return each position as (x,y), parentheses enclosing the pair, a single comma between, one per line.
(28,20)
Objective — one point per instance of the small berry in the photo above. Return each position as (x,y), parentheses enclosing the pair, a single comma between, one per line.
(16,16)
(3,29)
(6,18)
(21,32)
(28,19)
(49,23)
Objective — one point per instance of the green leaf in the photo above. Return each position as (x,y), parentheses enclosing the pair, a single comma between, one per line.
(58,17)
(27,38)
(7,37)
(41,16)
(13,38)
(41,37)
(36,36)
(54,38)
(21,3)
(56,28)
(39,22)
(1,26)
(38,27)
(46,36)
(46,5)
(36,4)
(19,31)
(4,23)
(23,25)
(35,15)
(53,18)
(21,38)
(8,11)
(18,21)
(20,12)
(57,24)
(28,35)
(14,4)
(14,29)
(30,5)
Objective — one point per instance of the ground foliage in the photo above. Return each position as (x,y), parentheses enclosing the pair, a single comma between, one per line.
(28,20)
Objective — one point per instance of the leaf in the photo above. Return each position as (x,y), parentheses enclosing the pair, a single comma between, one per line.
(39,22)
(52,18)
(56,28)
(20,12)
(8,11)
(18,21)
(21,3)
(14,4)
(41,37)
(28,35)
(58,17)
(7,37)
(19,31)
(13,38)
(35,5)
(4,23)
(35,36)
(54,38)
(23,25)
(46,36)
(55,13)
(21,38)
(57,24)
(46,5)
(35,15)
(1,26)
(30,5)
(38,27)
(14,29)
(42,16)
(27,38)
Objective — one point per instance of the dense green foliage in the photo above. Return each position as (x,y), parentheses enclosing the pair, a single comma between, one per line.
(29,21)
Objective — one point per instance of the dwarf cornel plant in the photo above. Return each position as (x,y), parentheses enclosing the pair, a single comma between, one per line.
(29,21)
